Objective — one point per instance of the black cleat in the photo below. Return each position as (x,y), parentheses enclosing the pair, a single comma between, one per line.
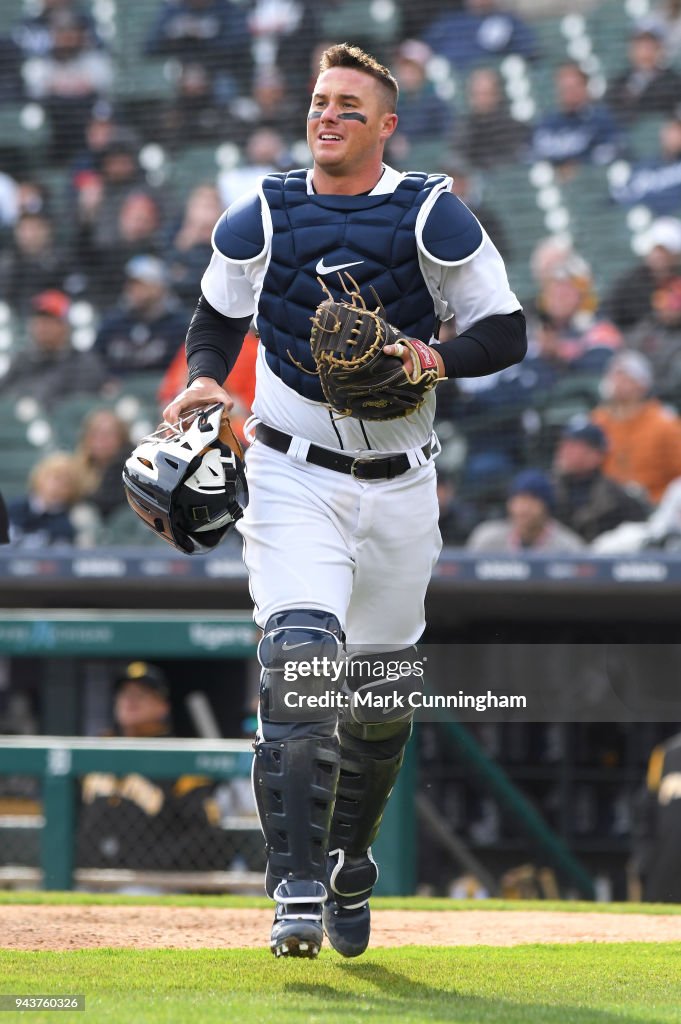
(297,929)
(346,914)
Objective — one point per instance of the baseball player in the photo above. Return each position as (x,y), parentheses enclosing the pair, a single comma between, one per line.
(341,531)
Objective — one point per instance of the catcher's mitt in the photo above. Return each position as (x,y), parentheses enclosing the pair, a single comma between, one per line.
(357,377)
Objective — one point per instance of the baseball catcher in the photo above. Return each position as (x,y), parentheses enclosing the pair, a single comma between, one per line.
(357,377)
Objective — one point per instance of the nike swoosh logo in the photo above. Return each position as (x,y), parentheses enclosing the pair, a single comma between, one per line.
(286,646)
(322,269)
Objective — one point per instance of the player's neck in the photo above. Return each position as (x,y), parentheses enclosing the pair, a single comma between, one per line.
(347,184)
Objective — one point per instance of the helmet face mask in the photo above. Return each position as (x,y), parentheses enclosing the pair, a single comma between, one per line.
(188,484)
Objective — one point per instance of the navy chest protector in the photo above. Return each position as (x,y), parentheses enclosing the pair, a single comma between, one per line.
(372,237)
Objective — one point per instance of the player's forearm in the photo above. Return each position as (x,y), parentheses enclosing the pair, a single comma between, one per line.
(213,342)
(490,345)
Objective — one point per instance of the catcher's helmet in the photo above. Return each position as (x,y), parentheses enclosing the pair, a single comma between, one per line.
(189,486)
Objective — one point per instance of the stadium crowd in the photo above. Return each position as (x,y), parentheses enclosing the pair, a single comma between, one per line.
(110,187)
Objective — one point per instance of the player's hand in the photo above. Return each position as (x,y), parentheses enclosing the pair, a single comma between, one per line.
(403,353)
(202,392)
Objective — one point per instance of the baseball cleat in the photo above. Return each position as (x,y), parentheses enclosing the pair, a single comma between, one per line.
(297,930)
(346,914)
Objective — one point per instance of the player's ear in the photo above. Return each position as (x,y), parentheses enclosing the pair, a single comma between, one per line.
(388,125)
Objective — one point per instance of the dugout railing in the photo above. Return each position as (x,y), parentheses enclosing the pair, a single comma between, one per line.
(59,762)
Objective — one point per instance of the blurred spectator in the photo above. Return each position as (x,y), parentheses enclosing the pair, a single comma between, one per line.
(468,186)
(578,130)
(277,27)
(488,136)
(658,337)
(193,115)
(32,262)
(644,437)
(656,182)
(100,197)
(213,34)
(49,368)
(647,85)
(423,116)
(140,823)
(42,518)
(35,32)
(100,455)
(190,248)
(565,324)
(137,234)
(630,300)
(266,151)
(11,82)
(143,331)
(270,105)
(656,831)
(457,517)
(67,79)
(100,129)
(587,500)
(482,30)
(668,12)
(529,525)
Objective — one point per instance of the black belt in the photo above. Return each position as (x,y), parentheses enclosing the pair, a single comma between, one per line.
(367,467)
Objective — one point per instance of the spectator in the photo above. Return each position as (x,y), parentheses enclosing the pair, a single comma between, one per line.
(648,85)
(587,500)
(481,31)
(270,105)
(49,368)
(457,517)
(644,437)
(662,530)
(67,80)
(193,115)
(656,182)
(565,324)
(578,130)
(488,136)
(34,34)
(32,262)
(277,26)
(424,116)
(137,234)
(100,456)
(42,518)
(142,823)
(529,525)
(265,152)
(658,337)
(668,12)
(143,332)
(11,83)
(630,300)
(99,199)
(190,248)
(213,34)
(656,829)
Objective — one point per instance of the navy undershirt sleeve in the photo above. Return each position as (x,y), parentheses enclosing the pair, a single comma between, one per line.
(213,342)
(489,345)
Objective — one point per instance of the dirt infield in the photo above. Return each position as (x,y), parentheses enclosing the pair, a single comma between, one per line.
(37,927)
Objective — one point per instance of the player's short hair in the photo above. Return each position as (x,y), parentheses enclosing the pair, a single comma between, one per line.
(343,55)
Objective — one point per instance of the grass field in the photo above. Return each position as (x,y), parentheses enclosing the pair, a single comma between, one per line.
(586,983)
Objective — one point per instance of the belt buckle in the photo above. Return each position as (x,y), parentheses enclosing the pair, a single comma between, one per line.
(363,460)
